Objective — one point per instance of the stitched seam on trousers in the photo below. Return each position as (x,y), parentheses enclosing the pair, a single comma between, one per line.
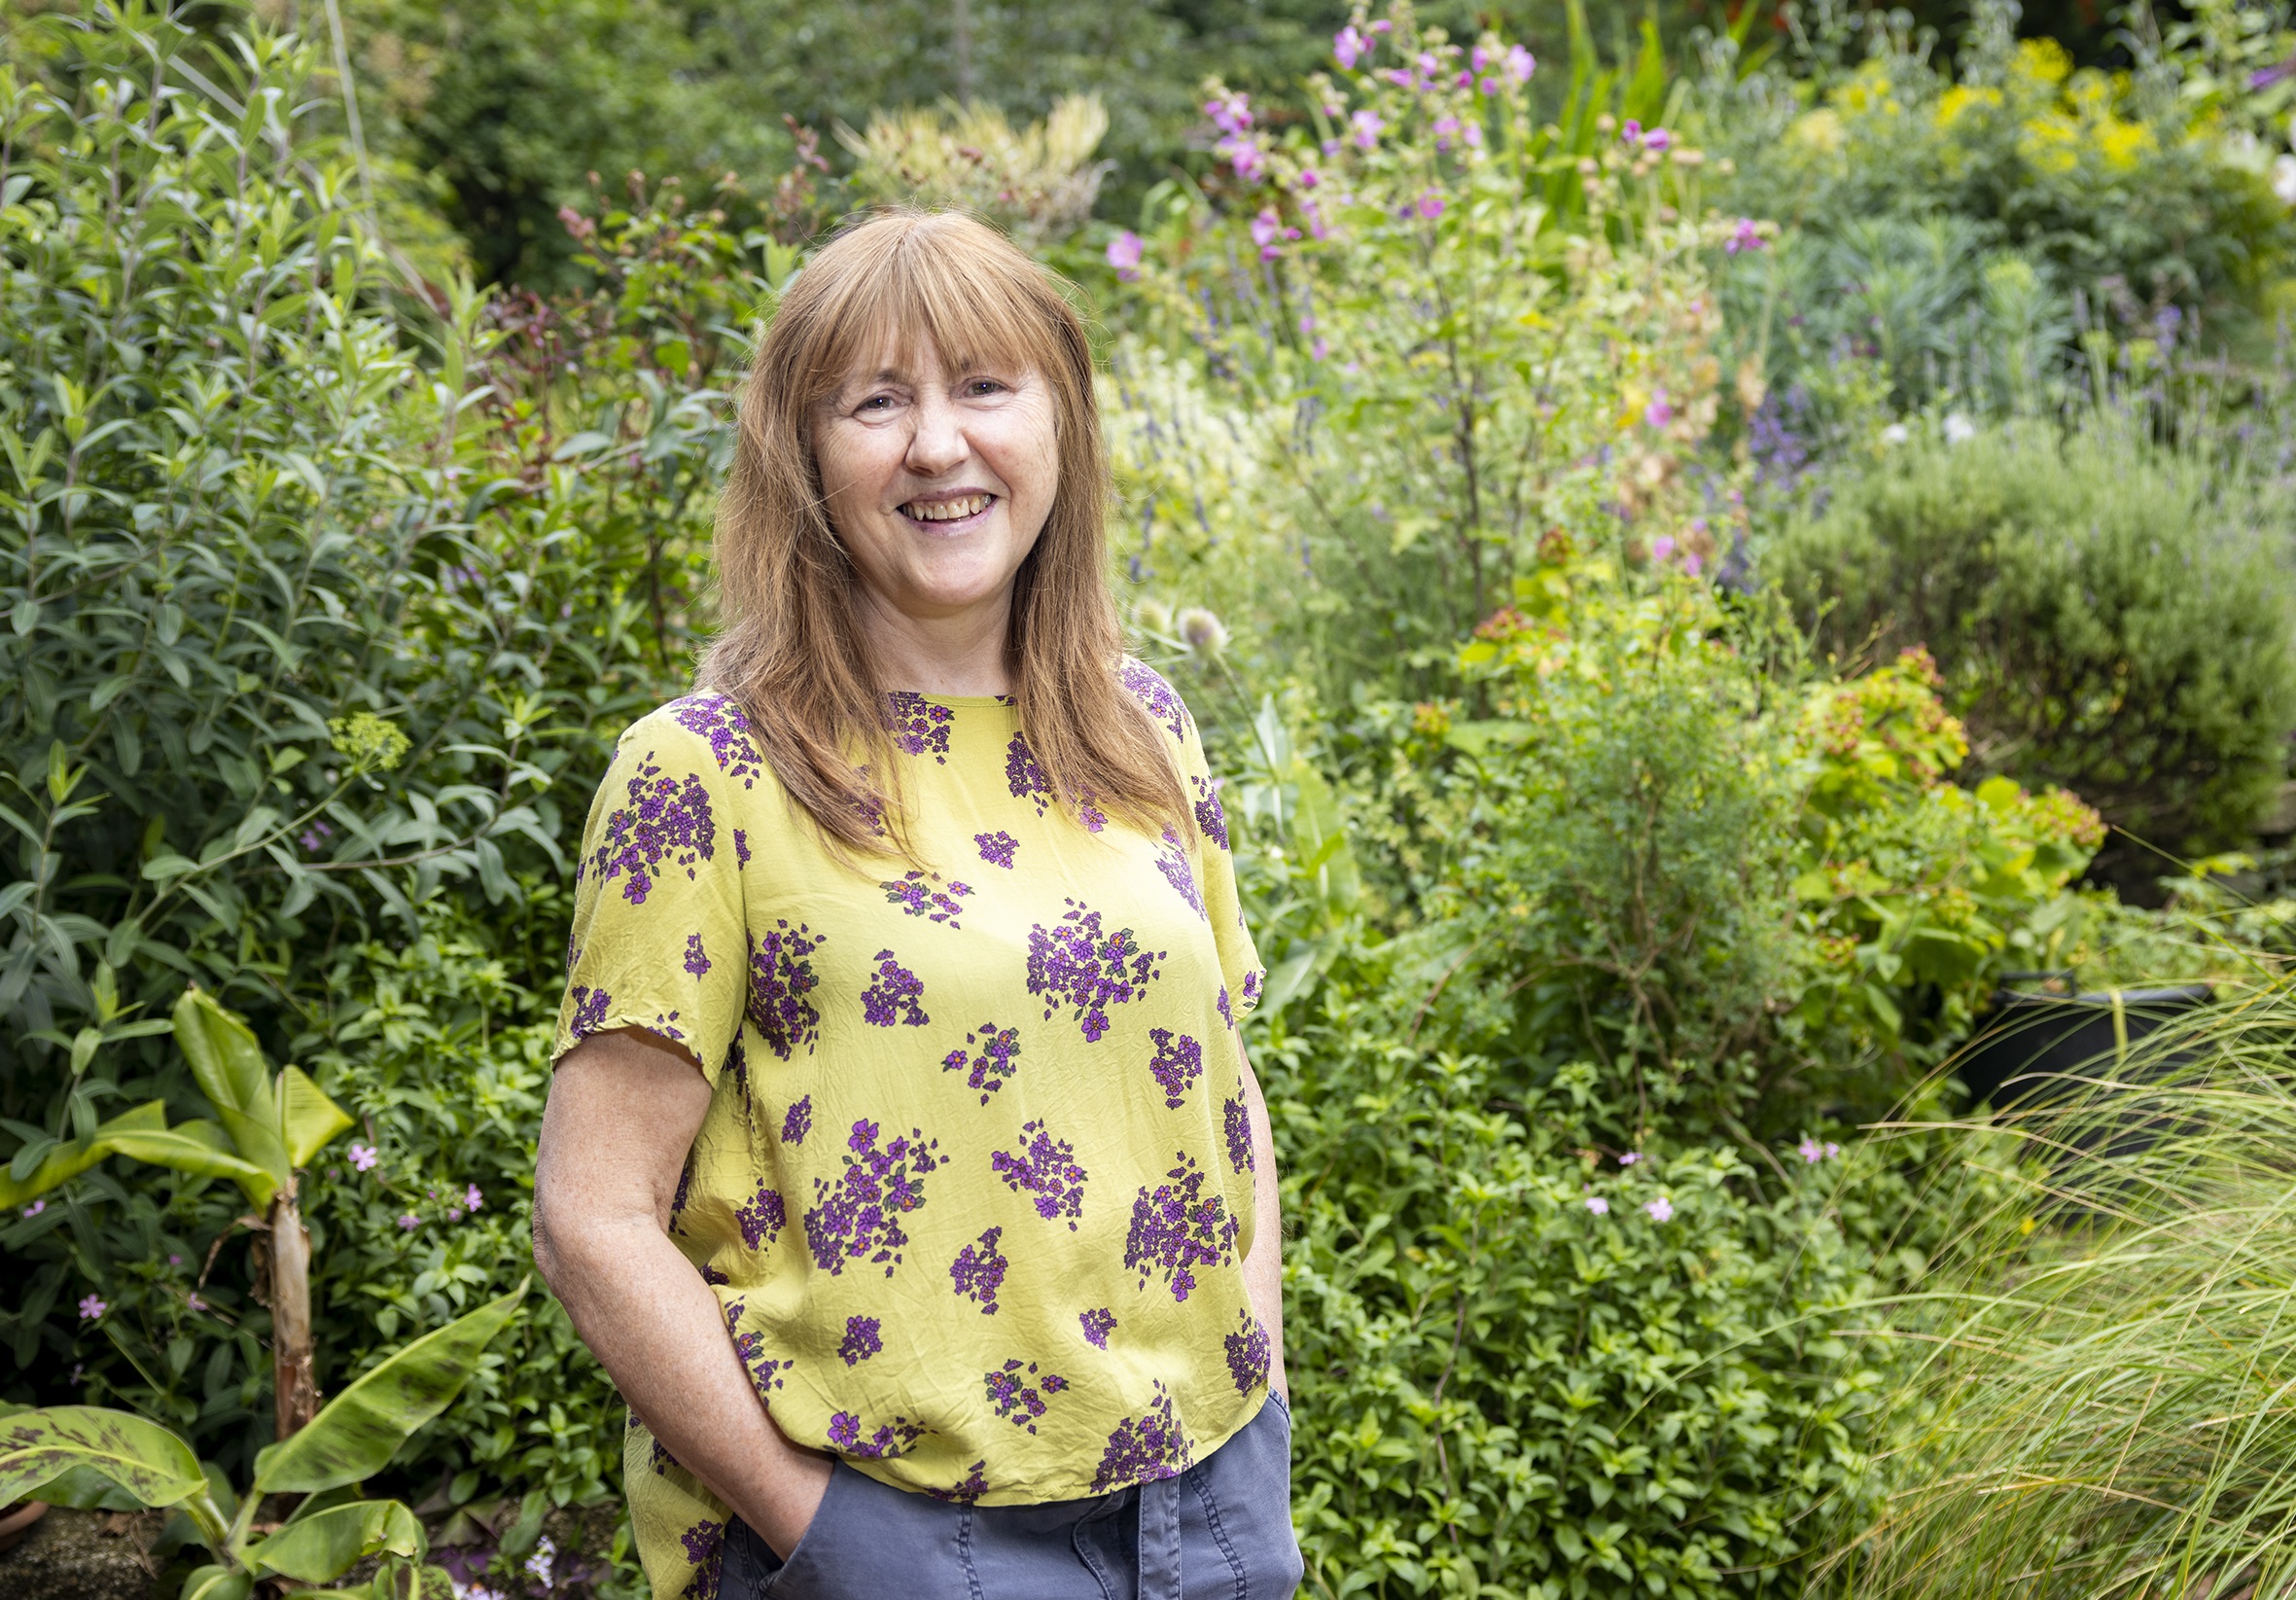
(1195,1477)
(1084,1553)
(965,1553)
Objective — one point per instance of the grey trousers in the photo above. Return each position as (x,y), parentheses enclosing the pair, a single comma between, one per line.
(1222,1528)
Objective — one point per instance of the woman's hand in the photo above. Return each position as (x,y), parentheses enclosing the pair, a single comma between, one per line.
(623,1110)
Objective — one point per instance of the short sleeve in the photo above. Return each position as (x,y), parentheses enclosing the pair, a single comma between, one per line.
(659,935)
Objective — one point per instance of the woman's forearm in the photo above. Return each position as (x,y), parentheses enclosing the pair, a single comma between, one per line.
(1264,1266)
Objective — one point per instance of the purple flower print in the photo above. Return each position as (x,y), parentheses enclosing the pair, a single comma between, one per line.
(705,1553)
(1252,981)
(781,977)
(979,1271)
(1226,1015)
(871,804)
(975,1485)
(1046,1168)
(719,720)
(1238,1128)
(590,1011)
(994,1066)
(797,1121)
(918,725)
(997,848)
(761,1218)
(741,847)
(1074,965)
(1178,1229)
(889,1440)
(861,1341)
(1179,1062)
(1144,1448)
(1094,819)
(860,1214)
(1017,1400)
(1247,1354)
(667,820)
(697,963)
(765,1373)
(1024,777)
(1172,860)
(1210,817)
(894,996)
(737,1067)
(914,894)
(1143,682)
(1097,1324)
(659,1457)
(667,1026)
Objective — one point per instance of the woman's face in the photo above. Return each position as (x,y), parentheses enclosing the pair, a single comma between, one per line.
(937,479)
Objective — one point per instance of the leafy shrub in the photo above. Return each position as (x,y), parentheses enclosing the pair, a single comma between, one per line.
(2100,624)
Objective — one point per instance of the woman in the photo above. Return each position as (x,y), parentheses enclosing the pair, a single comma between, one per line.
(903,1164)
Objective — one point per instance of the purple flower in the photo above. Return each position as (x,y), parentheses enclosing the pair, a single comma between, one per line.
(996,1063)
(918,725)
(859,1216)
(1661,1209)
(1017,1400)
(705,1552)
(1124,254)
(997,848)
(1811,1151)
(1044,1168)
(1177,1063)
(1368,126)
(590,1011)
(887,1442)
(34,1209)
(1519,64)
(1249,1352)
(914,894)
(1661,411)
(472,1197)
(1747,235)
(1097,1325)
(91,1308)
(1597,1205)
(1145,683)
(975,1485)
(781,977)
(1144,1448)
(697,962)
(1630,1157)
(761,1218)
(1657,140)
(1232,114)
(719,720)
(666,821)
(861,1341)
(193,1303)
(797,1121)
(1024,777)
(1178,1228)
(980,1270)
(1227,1013)
(1074,965)
(1349,46)
(362,1157)
(1236,1122)
(1266,228)
(410,1221)
(1172,860)
(1309,177)
(893,997)
(1429,205)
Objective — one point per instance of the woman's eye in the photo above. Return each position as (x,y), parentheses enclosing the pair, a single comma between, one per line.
(984,387)
(875,403)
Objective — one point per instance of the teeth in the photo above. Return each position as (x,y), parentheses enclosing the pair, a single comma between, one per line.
(946,510)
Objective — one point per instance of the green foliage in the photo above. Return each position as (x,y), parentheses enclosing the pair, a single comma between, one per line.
(325,1534)
(2100,622)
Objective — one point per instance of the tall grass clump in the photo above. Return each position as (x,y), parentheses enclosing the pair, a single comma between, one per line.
(2110,1410)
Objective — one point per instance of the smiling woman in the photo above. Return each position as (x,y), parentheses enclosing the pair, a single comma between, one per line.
(903,1165)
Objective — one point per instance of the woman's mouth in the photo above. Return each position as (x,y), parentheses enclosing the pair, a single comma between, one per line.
(943,510)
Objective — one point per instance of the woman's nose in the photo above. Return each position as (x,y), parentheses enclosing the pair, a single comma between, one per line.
(938,445)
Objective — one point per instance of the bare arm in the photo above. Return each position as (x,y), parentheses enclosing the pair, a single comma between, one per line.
(1264,1267)
(623,1110)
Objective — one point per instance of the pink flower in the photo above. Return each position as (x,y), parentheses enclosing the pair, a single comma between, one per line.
(472,1197)
(1661,411)
(1318,351)
(1317,227)
(91,1308)
(193,1303)
(1519,64)
(1487,85)
(1331,148)
(1348,47)
(362,1157)
(1246,157)
(1482,55)
(1661,1209)
(1473,136)
(34,1209)
(1429,205)
(410,1221)
(1630,1157)
(1658,139)
(1232,114)
(1597,1205)
(454,1214)
(1125,253)
(1309,177)
(1266,228)
(1631,133)
(1368,126)
(1811,1151)
(1745,237)
(1464,79)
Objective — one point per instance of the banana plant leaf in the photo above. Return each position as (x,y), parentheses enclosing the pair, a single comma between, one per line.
(321,1548)
(142,1457)
(230,1067)
(217,1584)
(361,1428)
(307,1118)
(69,1159)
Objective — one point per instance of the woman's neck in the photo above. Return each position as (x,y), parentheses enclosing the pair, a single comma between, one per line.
(962,654)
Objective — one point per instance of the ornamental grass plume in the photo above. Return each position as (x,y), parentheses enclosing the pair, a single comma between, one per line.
(2110,1406)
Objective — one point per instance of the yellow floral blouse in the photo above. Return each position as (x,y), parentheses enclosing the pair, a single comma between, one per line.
(974,1188)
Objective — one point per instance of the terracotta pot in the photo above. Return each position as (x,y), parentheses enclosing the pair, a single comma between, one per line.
(17,1520)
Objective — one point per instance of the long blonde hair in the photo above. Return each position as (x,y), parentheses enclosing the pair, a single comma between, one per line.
(792,654)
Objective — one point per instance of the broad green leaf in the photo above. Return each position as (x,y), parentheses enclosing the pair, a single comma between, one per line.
(1318,835)
(310,1118)
(85,1489)
(230,1070)
(322,1548)
(361,1428)
(186,1150)
(217,1584)
(68,1161)
(140,1456)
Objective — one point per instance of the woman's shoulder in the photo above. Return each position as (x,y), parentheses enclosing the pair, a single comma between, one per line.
(705,725)
(1145,683)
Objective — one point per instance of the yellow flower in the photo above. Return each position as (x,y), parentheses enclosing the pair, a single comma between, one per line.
(1820,131)
(2121,142)
(2042,61)
(1955,101)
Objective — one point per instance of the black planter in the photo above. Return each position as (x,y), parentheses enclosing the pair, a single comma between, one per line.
(2029,1042)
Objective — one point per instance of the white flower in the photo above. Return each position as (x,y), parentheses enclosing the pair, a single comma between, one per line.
(1958,429)
(1895,433)
(2283,178)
